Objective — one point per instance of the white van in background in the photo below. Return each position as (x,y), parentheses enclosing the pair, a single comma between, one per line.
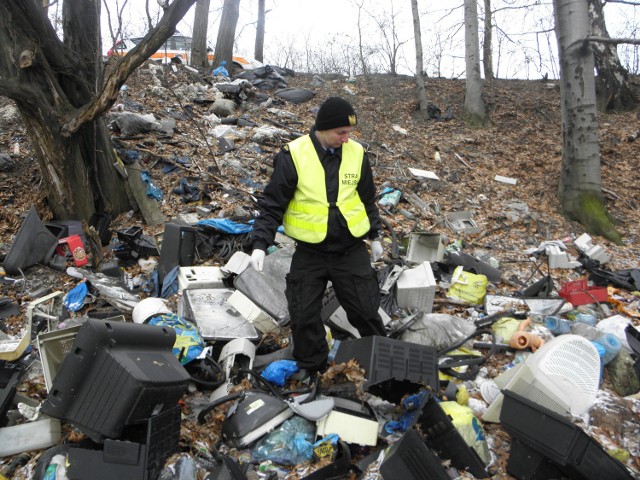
(176,46)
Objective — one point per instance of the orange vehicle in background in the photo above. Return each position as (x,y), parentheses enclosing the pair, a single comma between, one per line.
(176,46)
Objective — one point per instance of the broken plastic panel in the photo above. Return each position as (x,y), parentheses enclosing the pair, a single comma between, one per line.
(253,416)
(53,347)
(9,376)
(425,246)
(117,374)
(461,222)
(442,436)
(260,319)
(410,459)
(594,252)
(392,367)
(236,355)
(191,277)
(48,307)
(475,265)
(178,248)
(350,428)
(33,244)
(216,318)
(523,306)
(266,289)
(553,436)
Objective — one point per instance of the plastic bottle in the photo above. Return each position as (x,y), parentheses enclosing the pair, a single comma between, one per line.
(586,318)
(57,468)
(611,345)
(608,341)
(391,199)
(557,326)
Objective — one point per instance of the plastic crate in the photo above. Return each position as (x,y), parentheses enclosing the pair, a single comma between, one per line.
(387,361)
(559,440)
(579,292)
(416,288)
(124,459)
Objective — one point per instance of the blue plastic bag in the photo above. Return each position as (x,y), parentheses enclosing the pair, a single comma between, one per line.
(221,70)
(290,444)
(226,225)
(74,299)
(277,372)
(152,189)
(189,344)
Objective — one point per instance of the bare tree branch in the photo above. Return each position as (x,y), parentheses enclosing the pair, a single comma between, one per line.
(614,41)
(136,57)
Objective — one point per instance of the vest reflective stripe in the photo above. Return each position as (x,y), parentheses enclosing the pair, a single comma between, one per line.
(307,215)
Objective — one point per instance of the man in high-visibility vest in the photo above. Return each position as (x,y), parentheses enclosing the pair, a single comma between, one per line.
(322,192)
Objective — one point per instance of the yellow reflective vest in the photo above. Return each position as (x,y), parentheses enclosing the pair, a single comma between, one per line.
(307,215)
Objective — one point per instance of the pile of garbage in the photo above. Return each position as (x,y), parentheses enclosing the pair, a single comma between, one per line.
(160,352)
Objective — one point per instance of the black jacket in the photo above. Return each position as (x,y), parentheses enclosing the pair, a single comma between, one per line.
(280,190)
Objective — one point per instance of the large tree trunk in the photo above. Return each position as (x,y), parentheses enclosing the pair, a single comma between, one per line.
(580,189)
(417,34)
(612,89)
(259,47)
(199,37)
(487,45)
(227,33)
(474,108)
(58,88)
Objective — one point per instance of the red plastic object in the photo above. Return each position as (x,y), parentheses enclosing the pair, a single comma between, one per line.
(580,293)
(76,247)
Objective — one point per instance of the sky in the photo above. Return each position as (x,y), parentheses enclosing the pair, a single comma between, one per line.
(301,29)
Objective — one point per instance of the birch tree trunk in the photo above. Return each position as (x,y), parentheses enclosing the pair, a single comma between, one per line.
(580,189)
(487,44)
(474,108)
(422,93)
(199,57)
(612,88)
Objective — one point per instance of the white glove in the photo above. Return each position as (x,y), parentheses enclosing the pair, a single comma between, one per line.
(376,251)
(257,259)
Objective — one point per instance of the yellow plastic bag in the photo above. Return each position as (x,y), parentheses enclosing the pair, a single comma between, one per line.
(467,287)
(469,428)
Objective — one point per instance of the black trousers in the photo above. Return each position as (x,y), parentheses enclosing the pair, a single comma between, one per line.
(356,287)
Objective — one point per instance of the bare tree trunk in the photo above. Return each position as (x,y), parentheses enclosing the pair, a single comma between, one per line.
(199,37)
(363,61)
(227,33)
(422,92)
(60,93)
(487,45)
(474,108)
(612,87)
(580,188)
(259,48)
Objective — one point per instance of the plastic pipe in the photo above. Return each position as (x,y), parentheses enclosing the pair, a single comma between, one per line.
(522,340)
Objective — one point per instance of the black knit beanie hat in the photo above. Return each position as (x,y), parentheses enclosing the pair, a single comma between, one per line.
(335,112)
